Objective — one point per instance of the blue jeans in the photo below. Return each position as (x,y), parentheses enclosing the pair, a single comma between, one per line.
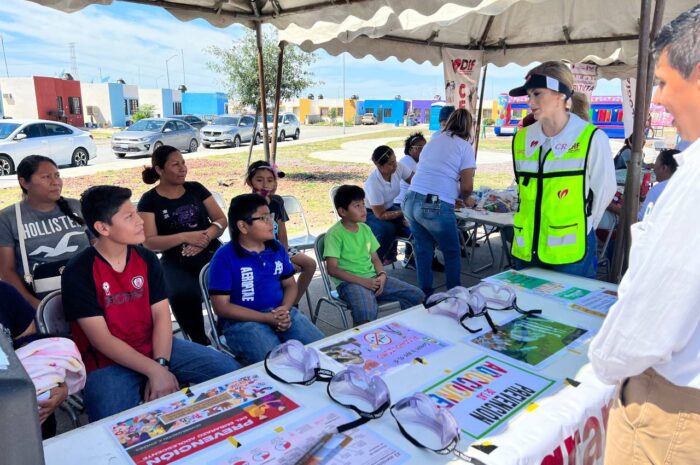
(433,223)
(364,304)
(115,388)
(586,267)
(386,232)
(251,341)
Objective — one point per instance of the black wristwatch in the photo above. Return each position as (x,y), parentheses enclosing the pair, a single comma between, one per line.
(162,361)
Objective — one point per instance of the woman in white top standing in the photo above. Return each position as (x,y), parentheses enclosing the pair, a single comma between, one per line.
(446,171)
(381,188)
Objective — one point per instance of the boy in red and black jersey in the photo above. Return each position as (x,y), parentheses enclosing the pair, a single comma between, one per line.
(115,295)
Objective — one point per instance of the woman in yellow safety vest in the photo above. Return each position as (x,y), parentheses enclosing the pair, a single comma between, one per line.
(565,174)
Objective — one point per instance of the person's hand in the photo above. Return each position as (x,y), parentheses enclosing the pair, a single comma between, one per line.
(382,281)
(459,204)
(470,202)
(198,238)
(191,250)
(47,407)
(280,319)
(160,383)
(371,283)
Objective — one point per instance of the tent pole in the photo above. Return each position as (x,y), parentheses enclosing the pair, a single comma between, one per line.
(252,142)
(632,183)
(261,82)
(481,105)
(278,91)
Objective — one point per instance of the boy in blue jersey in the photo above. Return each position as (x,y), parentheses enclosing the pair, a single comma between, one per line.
(251,285)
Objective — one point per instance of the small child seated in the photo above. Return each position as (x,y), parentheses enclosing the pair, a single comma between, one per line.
(251,285)
(114,293)
(350,251)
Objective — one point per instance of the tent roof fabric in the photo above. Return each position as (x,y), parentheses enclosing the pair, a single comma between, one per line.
(509,31)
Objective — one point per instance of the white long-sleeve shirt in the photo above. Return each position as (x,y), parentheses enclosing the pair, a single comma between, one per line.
(656,320)
(600,170)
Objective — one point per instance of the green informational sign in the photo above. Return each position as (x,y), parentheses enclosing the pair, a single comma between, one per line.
(530,339)
(539,286)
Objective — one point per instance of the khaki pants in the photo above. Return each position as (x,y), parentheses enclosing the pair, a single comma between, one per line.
(654,422)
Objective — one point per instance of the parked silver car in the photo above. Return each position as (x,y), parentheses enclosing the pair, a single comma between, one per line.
(146,135)
(64,144)
(287,126)
(230,131)
(194,121)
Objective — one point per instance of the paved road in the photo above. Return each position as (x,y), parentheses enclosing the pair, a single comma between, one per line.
(106,160)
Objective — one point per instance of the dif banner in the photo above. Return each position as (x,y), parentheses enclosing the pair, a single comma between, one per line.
(462,71)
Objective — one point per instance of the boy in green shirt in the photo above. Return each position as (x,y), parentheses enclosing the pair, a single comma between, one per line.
(350,252)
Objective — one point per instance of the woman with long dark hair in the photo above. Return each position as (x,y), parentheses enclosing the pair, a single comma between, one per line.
(183,221)
(53,231)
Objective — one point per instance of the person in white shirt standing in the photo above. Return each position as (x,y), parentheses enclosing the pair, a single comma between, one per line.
(381,188)
(650,341)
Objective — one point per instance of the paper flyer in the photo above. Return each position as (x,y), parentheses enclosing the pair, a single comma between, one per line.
(287,446)
(539,286)
(169,432)
(596,303)
(483,395)
(533,340)
(383,348)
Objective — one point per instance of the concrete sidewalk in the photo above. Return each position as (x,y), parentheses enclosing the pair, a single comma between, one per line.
(360,151)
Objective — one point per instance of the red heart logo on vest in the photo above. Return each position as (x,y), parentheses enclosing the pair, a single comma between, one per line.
(534,143)
(456,63)
(563,193)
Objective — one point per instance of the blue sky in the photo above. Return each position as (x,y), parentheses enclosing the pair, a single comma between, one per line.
(132,42)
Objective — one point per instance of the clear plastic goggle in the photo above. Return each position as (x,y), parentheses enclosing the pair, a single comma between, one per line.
(417,416)
(500,297)
(367,395)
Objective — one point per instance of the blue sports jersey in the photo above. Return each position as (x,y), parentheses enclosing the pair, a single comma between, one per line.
(252,280)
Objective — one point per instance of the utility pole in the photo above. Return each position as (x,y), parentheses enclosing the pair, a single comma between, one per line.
(7,70)
(182,54)
(343,103)
(167,71)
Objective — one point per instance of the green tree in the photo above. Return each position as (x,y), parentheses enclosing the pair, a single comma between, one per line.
(144,111)
(333,114)
(238,66)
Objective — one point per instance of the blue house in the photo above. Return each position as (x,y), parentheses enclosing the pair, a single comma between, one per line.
(386,111)
(204,103)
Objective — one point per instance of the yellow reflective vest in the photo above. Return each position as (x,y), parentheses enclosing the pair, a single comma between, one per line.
(550,223)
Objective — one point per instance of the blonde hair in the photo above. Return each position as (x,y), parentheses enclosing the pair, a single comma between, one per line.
(580,106)
(557,70)
(460,124)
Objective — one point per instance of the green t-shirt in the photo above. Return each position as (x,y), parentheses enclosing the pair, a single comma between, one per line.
(352,249)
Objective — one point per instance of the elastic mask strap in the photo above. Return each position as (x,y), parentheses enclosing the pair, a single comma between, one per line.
(449,448)
(536,311)
(435,302)
(471,314)
(364,416)
(319,374)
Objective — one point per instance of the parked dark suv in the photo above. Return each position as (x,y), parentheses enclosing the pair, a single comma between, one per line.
(192,120)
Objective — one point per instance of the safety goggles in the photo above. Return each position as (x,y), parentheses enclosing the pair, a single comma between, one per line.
(500,297)
(367,395)
(420,420)
(460,304)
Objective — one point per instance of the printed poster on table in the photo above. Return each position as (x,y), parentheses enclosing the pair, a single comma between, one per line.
(483,395)
(596,303)
(169,432)
(292,442)
(383,348)
(539,286)
(530,339)
(462,69)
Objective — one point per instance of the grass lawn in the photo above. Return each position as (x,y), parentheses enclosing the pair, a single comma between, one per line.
(307,178)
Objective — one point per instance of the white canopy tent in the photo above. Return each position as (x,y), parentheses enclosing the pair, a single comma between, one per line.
(604,32)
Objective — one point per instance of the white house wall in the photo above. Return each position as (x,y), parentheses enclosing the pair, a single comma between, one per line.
(96,96)
(19,97)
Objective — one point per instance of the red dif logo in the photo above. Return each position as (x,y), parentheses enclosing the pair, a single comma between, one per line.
(562,193)
(463,66)
(534,143)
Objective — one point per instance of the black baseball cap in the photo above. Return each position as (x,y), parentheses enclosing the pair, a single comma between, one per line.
(540,81)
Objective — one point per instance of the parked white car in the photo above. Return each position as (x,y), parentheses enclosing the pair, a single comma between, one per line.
(146,135)
(63,143)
